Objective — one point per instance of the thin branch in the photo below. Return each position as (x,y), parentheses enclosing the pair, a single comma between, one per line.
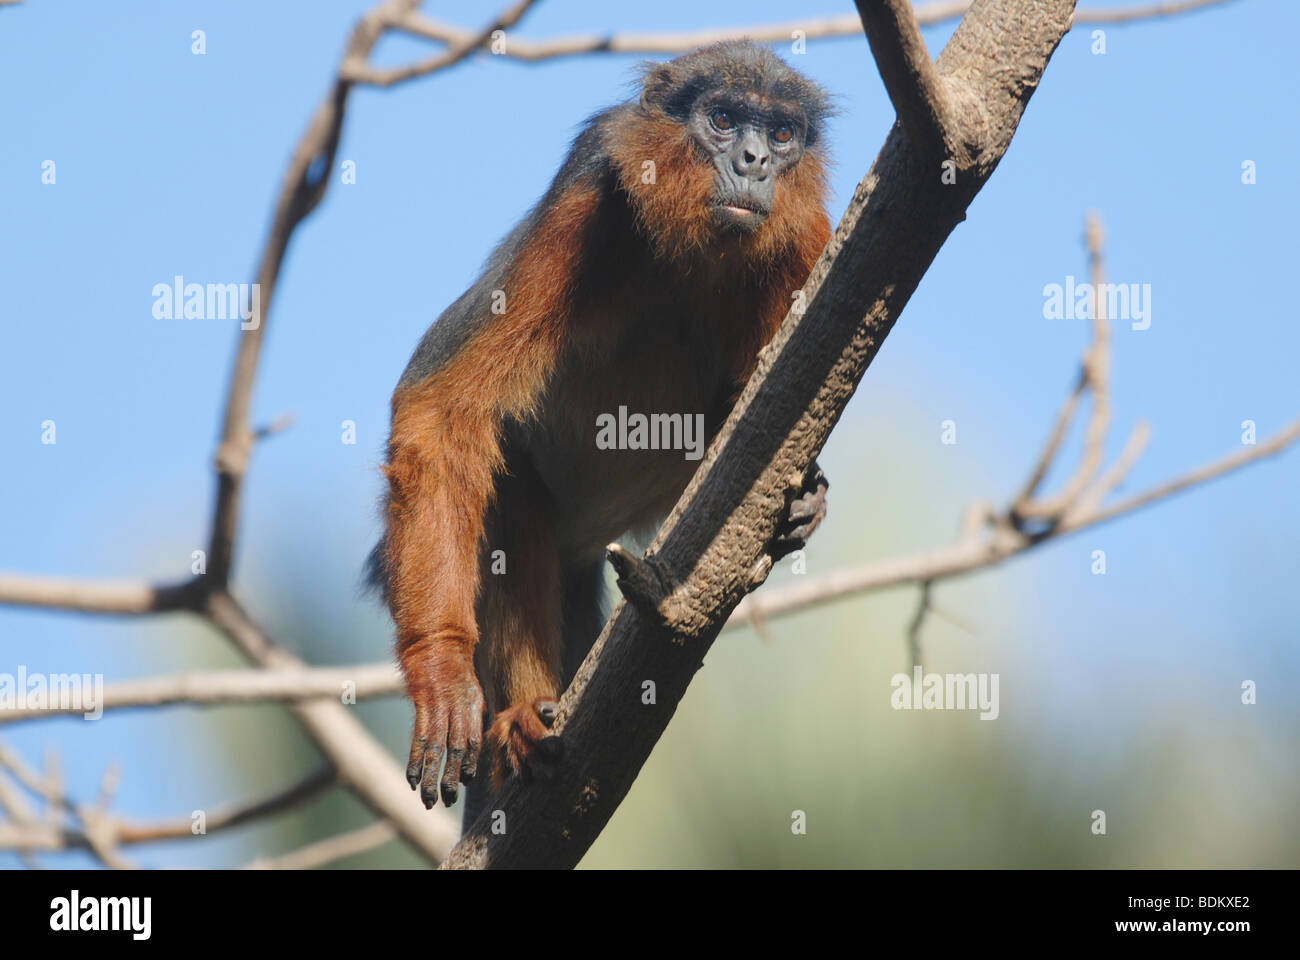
(305,183)
(103,833)
(1076,508)
(1134,447)
(212,688)
(330,849)
(224,818)
(918,620)
(1094,378)
(362,763)
(98,596)
(968,556)
(812,28)
(1211,471)
(357,71)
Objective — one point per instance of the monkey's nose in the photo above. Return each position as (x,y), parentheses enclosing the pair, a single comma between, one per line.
(751,159)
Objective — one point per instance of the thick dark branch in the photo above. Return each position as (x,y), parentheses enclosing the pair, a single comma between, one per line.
(711,544)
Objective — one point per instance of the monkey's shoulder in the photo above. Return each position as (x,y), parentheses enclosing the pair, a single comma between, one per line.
(586,166)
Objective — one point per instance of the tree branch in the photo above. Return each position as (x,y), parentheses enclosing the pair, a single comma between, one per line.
(104,832)
(911,80)
(218,687)
(326,851)
(812,28)
(971,554)
(99,596)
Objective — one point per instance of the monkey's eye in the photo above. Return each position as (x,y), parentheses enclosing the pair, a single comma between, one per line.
(783,133)
(721,119)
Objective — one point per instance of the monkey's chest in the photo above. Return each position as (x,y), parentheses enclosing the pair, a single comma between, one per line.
(624,424)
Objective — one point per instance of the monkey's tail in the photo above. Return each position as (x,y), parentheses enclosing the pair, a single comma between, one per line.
(374,577)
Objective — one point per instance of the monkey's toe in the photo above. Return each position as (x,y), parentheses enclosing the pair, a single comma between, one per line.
(520,741)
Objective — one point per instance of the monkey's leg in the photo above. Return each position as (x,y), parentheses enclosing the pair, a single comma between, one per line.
(520,644)
(585,611)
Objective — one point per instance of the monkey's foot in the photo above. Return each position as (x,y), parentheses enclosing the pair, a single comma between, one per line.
(520,743)
(806,511)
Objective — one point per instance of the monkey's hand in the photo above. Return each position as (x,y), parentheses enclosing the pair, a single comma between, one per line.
(519,741)
(448,719)
(804,514)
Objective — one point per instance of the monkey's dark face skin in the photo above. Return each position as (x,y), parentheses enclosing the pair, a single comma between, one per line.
(751,141)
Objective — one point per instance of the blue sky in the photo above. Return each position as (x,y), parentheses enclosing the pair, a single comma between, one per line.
(168,163)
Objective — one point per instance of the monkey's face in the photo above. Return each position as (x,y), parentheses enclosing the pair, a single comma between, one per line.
(723,155)
(751,141)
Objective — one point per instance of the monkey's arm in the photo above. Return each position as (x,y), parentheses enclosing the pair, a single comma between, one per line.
(440,480)
(487,359)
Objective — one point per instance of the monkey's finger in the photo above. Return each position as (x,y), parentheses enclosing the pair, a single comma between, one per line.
(456,738)
(473,747)
(437,745)
(415,763)
(419,741)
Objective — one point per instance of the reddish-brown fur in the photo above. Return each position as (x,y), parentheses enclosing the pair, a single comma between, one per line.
(447,469)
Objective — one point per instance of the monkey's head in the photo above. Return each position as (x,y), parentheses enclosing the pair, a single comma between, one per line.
(734,140)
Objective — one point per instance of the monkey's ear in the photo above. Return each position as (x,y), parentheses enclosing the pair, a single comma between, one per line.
(657,86)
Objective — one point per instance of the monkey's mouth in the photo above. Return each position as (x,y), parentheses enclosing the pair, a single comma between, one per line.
(739,215)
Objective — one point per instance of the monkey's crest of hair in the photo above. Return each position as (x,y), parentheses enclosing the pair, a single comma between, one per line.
(673,205)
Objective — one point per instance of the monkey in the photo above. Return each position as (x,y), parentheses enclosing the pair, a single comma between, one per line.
(662,258)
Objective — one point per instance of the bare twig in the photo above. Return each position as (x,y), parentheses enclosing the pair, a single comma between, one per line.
(1094,378)
(363,765)
(968,556)
(356,71)
(812,28)
(330,849)
(211,688)
(98,596)
(918,619)
(103,833)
